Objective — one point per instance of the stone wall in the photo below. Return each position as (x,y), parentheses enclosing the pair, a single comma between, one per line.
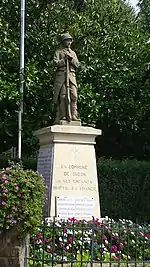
(13,251)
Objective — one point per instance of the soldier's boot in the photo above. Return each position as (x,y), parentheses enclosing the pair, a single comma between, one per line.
(74,111)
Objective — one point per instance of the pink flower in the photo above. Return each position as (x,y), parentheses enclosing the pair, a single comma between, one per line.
(114,248)
(70,239)
(8,168)
(106,242)
(115,235)
(3,178)
(147,235)
(114,256)
(104,237)
(4,190)
(72,219)
(19,195)
(3,203)
(121,245)
(48,250)
(40,234)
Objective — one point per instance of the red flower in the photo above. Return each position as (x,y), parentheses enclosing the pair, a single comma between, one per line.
(70,239)
(114,248)
(40,234)
(147,235)
(48,250)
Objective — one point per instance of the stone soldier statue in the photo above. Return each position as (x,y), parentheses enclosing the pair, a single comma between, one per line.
(65,86)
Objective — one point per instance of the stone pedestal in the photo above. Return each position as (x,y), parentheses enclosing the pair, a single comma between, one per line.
(68,165)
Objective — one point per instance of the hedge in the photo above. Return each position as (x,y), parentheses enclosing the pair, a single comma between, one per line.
(124,189)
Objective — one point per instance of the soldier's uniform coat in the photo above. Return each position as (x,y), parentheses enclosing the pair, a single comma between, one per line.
(60,78)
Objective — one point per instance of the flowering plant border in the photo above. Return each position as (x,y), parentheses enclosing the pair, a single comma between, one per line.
(103,241)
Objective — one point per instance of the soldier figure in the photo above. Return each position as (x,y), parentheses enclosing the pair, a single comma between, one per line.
(65,86)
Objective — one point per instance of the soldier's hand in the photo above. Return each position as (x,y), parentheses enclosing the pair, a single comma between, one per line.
(68,55)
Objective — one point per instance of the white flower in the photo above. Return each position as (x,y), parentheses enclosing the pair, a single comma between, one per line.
(106,242)
(102,246)
(148,42)
(60,239)
(133,241)
(65,258)
(69,232)
(64,234)
(141,233)
(39,242)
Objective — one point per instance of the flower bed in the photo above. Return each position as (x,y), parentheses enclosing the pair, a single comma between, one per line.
(84,241)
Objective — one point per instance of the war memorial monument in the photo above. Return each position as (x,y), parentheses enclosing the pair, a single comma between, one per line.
(67,156)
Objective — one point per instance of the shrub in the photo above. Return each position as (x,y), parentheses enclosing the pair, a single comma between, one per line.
(124,189)
(21,199)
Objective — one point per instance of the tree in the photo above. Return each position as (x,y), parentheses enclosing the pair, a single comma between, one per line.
(145,14)
(112,50)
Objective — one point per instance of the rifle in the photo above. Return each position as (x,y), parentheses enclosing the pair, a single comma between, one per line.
(68,100)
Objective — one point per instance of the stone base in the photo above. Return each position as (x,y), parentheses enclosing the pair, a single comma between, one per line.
(71,123)
(13,251)
(68,164)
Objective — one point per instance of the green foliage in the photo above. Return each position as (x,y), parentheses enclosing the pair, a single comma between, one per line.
(124,189)
(113,77)
(21,199)
(27,163)
(144,14)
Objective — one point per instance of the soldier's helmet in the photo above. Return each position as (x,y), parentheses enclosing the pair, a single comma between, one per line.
(66,36)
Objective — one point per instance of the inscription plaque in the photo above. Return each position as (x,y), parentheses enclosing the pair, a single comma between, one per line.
(44,167)
(78,207)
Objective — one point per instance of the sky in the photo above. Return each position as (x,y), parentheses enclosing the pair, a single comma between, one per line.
(134,3)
